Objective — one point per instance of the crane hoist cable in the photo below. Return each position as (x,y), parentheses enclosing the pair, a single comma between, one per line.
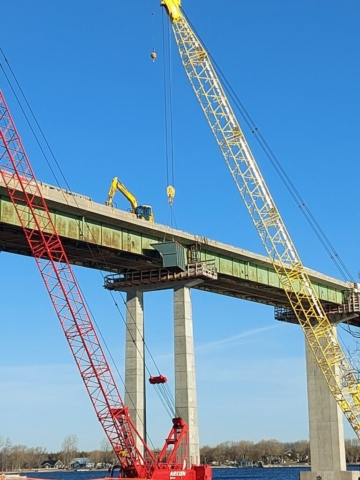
(168,114)
(28,121)
(289,184)
(164,392)
(153,54)
(303,300)
(135,458)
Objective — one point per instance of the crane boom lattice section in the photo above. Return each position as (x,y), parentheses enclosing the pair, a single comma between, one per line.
(301,295)
(65,294)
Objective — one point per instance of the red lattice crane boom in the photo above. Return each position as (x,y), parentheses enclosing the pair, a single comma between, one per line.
(65,294)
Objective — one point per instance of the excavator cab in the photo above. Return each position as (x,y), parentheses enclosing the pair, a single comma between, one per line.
(145,212)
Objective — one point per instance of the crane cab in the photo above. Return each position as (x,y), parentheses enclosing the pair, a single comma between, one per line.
(145,212)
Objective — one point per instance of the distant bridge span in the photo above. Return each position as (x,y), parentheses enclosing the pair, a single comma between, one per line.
(112,240)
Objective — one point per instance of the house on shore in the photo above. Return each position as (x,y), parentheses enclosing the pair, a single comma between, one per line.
(81,462)
(54,464)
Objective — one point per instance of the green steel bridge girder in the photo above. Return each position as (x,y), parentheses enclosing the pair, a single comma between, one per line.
(112,240)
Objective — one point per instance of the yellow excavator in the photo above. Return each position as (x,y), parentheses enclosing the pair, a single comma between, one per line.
(141,211)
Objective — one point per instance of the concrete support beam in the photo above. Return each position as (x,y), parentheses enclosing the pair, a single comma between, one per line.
(326,428)
(134,362)
(185,380)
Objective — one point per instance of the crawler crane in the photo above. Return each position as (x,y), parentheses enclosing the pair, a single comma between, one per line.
(47,248)
(300,292)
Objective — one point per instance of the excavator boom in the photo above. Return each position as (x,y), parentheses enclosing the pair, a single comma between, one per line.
(300,292)
(117,185)
(141,211)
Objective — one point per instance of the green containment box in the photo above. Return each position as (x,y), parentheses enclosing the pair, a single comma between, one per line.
(173,254)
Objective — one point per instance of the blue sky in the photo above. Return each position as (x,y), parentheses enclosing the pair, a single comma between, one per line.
(86,71)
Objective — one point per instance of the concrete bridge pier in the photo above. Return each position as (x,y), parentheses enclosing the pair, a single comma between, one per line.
(185,378)
(134,362)
(327,446)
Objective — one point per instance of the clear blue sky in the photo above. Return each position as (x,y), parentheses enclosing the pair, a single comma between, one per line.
(86,70)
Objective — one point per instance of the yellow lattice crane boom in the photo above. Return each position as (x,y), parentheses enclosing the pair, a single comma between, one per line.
(300,292)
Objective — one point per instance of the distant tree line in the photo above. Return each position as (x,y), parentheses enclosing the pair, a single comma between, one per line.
(269,452)
(265,451)
(20,457)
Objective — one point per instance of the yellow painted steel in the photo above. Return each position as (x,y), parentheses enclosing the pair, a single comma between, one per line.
(171,194)
(301,294)
(141,211)
(117,185)
(173,9)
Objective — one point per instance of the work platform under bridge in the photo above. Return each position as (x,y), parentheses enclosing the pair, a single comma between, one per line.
(160,278)
(347,312)
(175,272)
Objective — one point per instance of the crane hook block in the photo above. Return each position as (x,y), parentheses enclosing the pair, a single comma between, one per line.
(170,193)
(153,55)
(157,380)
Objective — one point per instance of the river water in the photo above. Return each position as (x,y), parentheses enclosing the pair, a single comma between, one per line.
(275,473)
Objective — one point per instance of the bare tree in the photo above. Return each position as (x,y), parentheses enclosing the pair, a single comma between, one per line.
(69,449)
(352,448)
(17,457)
(244,450)
(107,452)
(5,455)
(302,450)
(206,454)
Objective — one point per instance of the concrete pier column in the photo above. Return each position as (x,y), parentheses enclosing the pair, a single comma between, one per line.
(134,362)
(185,381)
(327,446)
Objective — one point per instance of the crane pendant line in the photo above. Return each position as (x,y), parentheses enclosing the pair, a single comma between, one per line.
(301,294)
(46,246)
(66,296)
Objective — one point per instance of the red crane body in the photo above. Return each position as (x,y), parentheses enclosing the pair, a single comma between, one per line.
(48,251)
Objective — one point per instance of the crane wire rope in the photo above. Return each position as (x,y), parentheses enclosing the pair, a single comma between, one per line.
(169,150)
(290,186)
(168,114)
(296,196)
(294,193)
(152,25)
(164,393)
